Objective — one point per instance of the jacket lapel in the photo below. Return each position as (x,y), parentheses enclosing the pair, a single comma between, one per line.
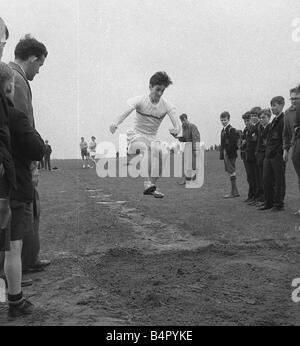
(17,68)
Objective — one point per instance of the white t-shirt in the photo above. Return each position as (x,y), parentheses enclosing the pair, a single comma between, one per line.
(93,146)
(148,115)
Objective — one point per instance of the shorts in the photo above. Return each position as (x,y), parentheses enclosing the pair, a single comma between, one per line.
(5,215)
(21,220)
(134,137)
(4,187)
(229,164)
(84,153)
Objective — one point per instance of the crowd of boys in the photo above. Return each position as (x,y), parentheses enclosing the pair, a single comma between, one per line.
(265,142)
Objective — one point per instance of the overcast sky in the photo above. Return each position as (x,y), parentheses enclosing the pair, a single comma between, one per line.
(221,55)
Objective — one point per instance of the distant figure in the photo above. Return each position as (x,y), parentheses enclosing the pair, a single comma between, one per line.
(48,151)
(84,152)
(92,147)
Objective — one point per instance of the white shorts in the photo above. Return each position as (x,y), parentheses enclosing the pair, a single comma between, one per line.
(133,137)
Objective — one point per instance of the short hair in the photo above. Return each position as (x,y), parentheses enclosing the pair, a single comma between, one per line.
(295,90)
(255,110)
(93,137)
(246,116)
(29,46)
(160,78)
(183,116)
(267,112)
(278,99)
(225,115)
(6,74)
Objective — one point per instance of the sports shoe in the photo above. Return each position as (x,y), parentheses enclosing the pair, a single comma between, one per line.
(157,194)
(26,308)
(150,189)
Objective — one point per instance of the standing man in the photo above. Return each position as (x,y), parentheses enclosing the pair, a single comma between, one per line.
(291,133)
(274,165)
(7,169)
(48,151)
(190,134)
(30,55)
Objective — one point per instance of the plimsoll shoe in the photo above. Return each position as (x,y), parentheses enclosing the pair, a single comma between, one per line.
(158,194)
(26,308)
(149,189)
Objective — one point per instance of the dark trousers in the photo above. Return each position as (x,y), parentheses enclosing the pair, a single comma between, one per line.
(260,182)
(41,164)
(274,181)
(47,162)
(31,242)
(296,163)
(250,172)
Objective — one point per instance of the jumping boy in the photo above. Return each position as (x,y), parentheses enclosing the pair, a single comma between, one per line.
(150,109)
(228,153)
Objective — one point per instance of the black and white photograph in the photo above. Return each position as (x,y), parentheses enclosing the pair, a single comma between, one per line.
(149,165)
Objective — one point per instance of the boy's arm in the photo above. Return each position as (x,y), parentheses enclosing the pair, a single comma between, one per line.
(195,136)
(286,138)
(113,127)
(172,115)
(29,140)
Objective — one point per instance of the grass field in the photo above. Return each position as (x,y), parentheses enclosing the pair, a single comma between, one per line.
(191,258)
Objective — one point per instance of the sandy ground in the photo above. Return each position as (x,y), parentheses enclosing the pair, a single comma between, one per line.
(121,259)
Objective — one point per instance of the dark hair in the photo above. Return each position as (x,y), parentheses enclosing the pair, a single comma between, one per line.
(267,112)
(295,90)
(256,110)
(279,100)
(246,116)
(160,78)
(225,115)
(183,116)
(29,46)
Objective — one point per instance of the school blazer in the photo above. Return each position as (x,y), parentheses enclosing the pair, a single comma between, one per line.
(23,95)
(274,144)
(229,142)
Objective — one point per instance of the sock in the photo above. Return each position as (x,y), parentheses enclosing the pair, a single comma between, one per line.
(15,300)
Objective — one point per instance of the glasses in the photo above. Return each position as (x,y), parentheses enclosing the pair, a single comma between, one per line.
(2,44)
